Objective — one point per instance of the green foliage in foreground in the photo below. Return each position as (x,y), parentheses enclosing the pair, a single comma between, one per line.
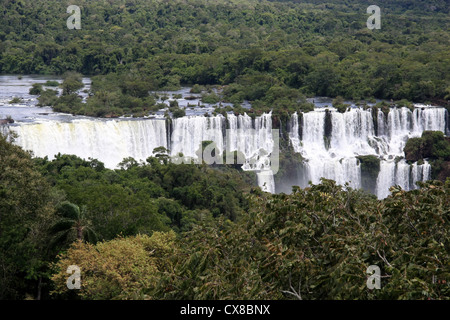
(317,244)
(122,268)
(146,197)
(74,199)
(26,211)
(171,231)
(313,244)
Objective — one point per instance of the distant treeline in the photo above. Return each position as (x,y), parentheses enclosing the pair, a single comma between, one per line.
(313,48)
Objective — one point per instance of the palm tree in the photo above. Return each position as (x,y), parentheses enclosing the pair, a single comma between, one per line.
(72,225)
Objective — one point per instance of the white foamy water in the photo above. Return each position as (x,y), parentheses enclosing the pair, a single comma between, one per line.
(108,141)
(353,133)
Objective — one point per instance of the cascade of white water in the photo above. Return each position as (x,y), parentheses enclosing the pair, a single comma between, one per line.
(108,141)
(386,178)
(337,162)
(401,174)
(351,139)
(252,138)
(266,181)
(256,144)
(189,132)
(403,124)
(263,125)
(420,173)
(381,123)
(313,133)
(340,170)
(334,157)
(4,130)
(353,133)
(294,133)
(113,140)
(425,118)
(426,172)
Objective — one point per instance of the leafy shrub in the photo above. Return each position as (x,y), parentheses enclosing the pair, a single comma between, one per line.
(48,98)
(123,268)
(16,100)
(36,89)
(178,113)
(197,89)
(210,98)
(51,83)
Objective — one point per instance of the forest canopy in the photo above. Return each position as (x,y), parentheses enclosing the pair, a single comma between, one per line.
(155,230)
(255,47)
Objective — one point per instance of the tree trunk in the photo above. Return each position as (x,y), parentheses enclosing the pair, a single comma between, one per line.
(38,297)
(80,233)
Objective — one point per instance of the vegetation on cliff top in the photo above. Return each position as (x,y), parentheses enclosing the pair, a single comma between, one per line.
(269,52)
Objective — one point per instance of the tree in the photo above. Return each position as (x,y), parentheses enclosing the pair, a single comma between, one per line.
(123,268)
(26,213)
(320,240)
(162,154)
(178,112)
(48,97)
(72,224)
(72,82)
(36,89)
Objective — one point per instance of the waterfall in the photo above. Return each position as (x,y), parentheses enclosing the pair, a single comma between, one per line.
(341,170)
(337,162)
(4,130)
(251,137)
(294,136)
(331,152)
(424,118)
(352,139)
(189,132)
(401,174)
(329,141)
(420,173)
(108,141)
(266,181)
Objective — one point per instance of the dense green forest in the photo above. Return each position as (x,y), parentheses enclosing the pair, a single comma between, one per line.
(156,230)
(270,53)
(46,205)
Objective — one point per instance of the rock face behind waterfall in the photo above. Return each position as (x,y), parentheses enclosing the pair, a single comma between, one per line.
(361,147)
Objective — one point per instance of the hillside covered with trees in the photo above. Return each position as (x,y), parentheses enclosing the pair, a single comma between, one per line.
(270,53)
